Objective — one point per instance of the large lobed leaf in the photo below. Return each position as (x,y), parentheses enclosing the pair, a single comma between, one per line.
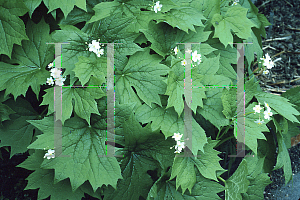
(12,29)
(83,143)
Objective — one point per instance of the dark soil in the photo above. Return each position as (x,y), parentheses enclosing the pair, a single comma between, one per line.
(286,73)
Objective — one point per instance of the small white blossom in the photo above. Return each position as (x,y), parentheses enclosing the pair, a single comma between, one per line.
(259,121)
(60,81)
(175,50)
(177,151)
(267,105)
(50,66)
(189,51)
(94,46)
(257,108)
(99,52)
(266,72)
(183,62)
(177,136)
(55,73)
(50,154)
(50,81)
(157,7)
(268,62)
(196,57)
(268,114)
(179,146)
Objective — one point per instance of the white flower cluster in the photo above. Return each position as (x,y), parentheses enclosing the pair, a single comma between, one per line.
(267,62)
(180,145)
(195,56)
(56,74)
(157,7)
(50,154)
(267,112)
(235,2)
(95,47)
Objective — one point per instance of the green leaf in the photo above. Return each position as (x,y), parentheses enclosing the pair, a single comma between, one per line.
(66,6)
(212,105)
(251,48)
(17,132)
(250,89)
(235,19)
(84,102)
(293,95)
(253,131)
(70,52)
(169,123)
(78,15)
(175,88)
(228,56)
(106,9)
(12,27)
(91,66)
(207,164)
(5,111)
(43,179)
(229,102)
(208,66)
(281,124)
(207,7)
(283,158)
(142,71)
(203,189)
(32,58)
(32,5)
(279,104)
(144,150)
(237,183)
(258,179)
(183,18)
(163,38)
(83,143)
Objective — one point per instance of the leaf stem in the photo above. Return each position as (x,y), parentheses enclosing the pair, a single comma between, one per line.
(43,111)
(219,177)
(221,142)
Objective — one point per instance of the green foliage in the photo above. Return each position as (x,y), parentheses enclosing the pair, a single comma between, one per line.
(149,99)
(12,27)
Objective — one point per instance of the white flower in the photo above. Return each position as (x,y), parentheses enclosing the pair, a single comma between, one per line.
(268,58)
(157,7)
(50,81)
(196,57)
(189,51)
(177,136)
(179,146)
(60,81)
(268,62)
(266,72)
(99,52)
(50,66)
(268,114)
(177,151)
(270,65)
(183,62)
(55,73)
(259,121)
(175,50)
(267,105)
(50,154)
(257,108)
(94,46)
